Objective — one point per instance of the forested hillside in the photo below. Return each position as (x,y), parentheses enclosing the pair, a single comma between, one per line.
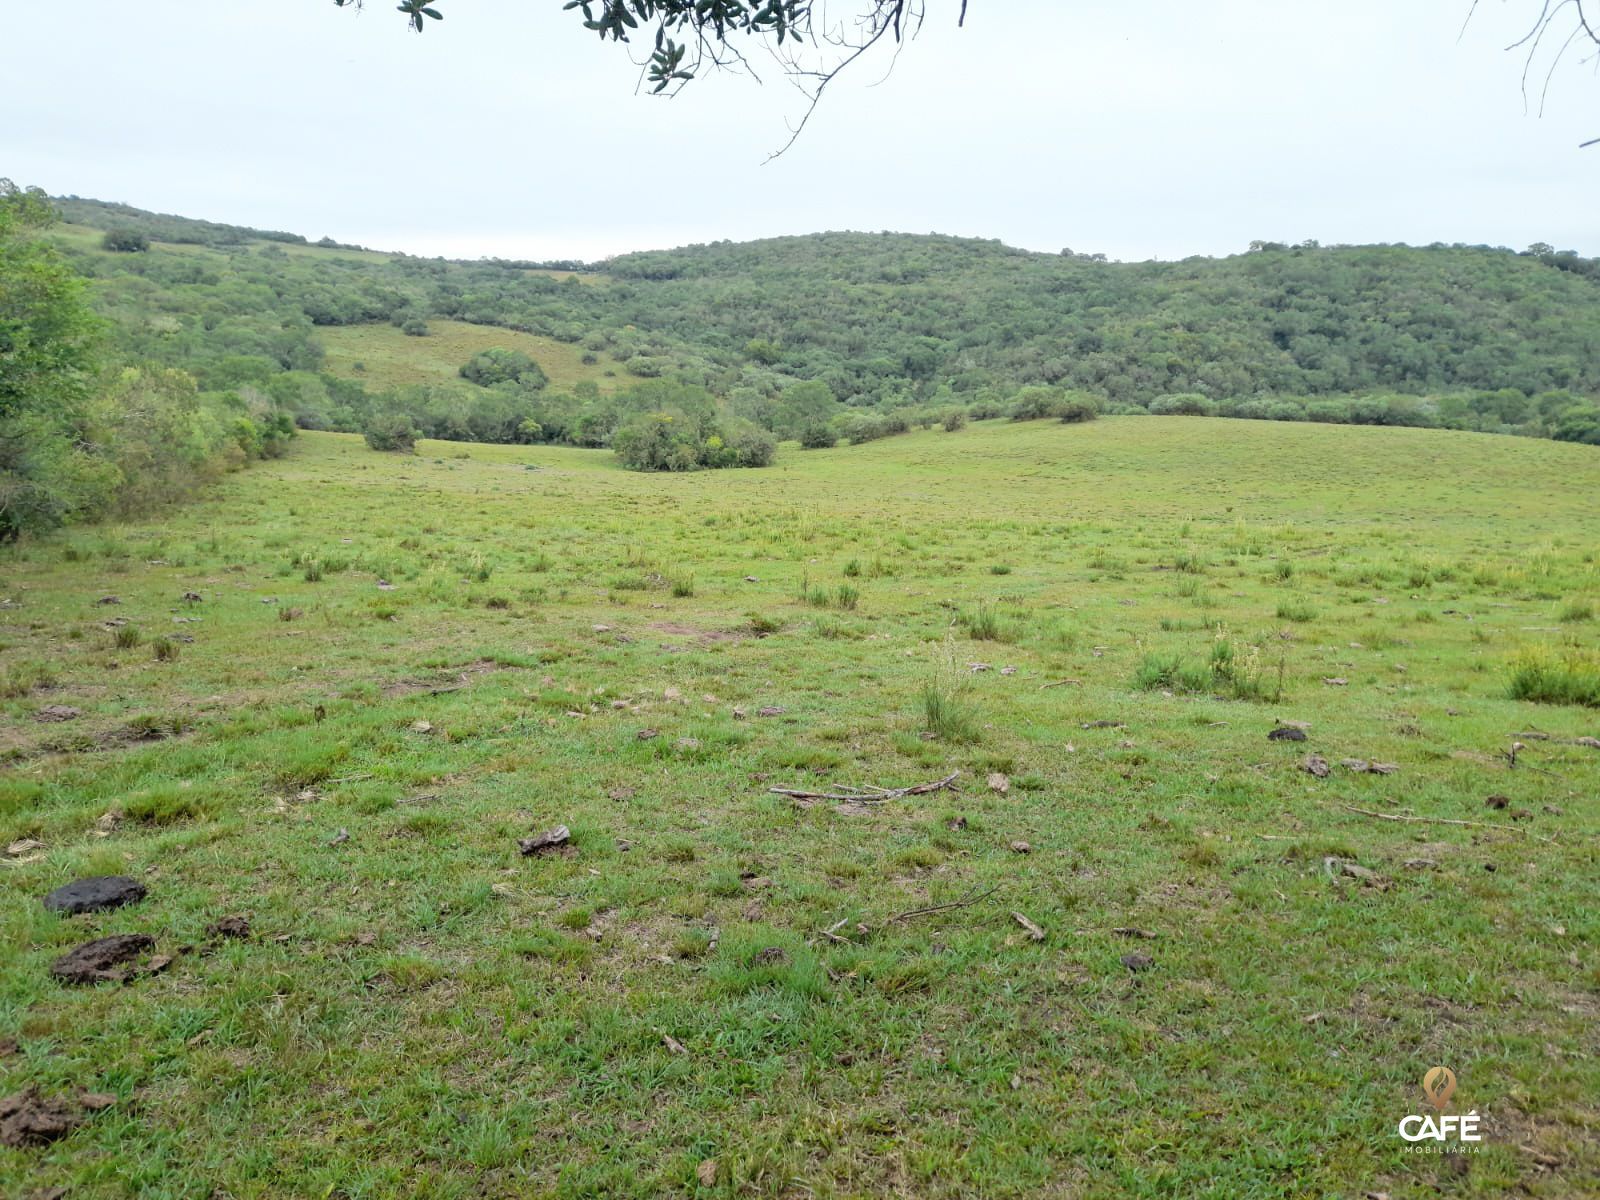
(897,328)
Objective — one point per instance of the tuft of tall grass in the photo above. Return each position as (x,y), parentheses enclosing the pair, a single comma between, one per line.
(1548,676)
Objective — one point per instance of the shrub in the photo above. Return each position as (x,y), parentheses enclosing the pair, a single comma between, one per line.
(125,241)
(392,432)
(1547,676)
(817,436)
(1034,404)
(953,420)
(1184,404)
(1077,407)
(489,367)
(415,327)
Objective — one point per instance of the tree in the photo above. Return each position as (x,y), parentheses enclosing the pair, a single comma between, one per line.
(48,356)
(125,241)
(687,36)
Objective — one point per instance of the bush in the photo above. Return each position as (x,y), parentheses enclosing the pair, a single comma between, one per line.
(1185,404)
(489,367)
(415,327)
(953,420)
(817,437)
(125,241)
(1077,407)
(392,432)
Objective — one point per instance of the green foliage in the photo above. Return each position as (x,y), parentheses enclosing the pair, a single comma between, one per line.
(125,241)
(1550,676)
(489,367)
(392,432)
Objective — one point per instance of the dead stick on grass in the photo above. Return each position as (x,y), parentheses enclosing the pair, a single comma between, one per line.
(965,902)
(1062,683)
(1443,821)
(869,795)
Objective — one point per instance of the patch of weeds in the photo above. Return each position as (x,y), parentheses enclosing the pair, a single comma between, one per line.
(847,597)
(22,678)
(982,624)
(852,569)
(999,569)
(164,806)
(166,650)
(1297,611)
(1548,676)
(762,626)
(1576,610)
(552,947)
(126,637)
(683,586)
(946,711)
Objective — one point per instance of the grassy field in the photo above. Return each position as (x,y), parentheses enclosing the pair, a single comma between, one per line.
(390,358)
(714,990)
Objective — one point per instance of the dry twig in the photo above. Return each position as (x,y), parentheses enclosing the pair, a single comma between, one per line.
(869,794)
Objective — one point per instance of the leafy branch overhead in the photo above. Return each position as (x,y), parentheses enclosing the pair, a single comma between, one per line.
(812,49)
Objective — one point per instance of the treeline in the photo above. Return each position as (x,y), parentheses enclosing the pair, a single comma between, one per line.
(872,333)
(83,435)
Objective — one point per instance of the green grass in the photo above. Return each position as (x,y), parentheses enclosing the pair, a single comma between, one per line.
(390,358)
(423,1012)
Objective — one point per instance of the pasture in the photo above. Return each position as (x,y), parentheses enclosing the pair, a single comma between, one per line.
(1137,947)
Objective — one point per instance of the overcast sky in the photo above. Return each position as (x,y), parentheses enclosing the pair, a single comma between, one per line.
(1162,129)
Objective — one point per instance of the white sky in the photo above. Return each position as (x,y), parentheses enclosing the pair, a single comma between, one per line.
(1162,129)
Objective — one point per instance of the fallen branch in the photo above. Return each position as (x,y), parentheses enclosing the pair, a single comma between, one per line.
(869,794)
(1062,683)
(1443,821)
(966,901)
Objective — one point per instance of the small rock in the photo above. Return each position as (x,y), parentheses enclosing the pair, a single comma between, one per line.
(95,894)
(1336,682)
(998,782)
(1020,847)
(1138,962)
(644,735)
(97,1101)
(422,727)
(1316,765)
